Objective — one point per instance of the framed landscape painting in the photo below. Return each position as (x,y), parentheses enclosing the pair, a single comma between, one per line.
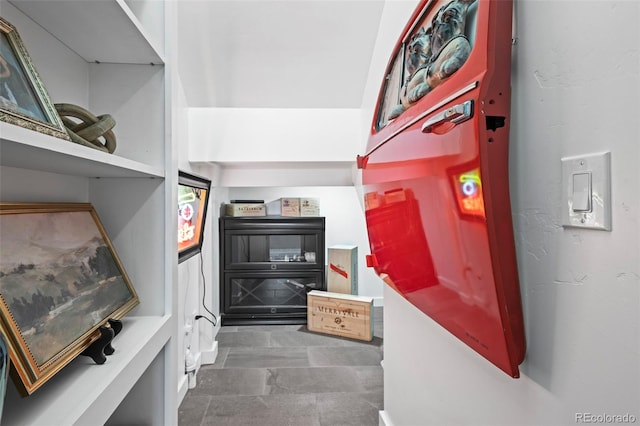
(60,281)
(24,101)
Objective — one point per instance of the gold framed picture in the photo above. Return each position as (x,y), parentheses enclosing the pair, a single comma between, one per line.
(24,101)
(60,281)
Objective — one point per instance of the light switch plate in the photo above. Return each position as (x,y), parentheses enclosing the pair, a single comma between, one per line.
(599,166)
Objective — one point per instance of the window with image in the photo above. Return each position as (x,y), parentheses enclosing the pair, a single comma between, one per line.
(437,47)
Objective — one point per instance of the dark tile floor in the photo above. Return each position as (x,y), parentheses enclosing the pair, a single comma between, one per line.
(286,375)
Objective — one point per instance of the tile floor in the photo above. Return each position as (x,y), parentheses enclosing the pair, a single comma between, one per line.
(286,375)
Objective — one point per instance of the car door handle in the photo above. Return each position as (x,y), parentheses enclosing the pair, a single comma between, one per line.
(456,114)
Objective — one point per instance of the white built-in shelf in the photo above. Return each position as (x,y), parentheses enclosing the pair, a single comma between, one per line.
(24,148)
(122,37)
(87,393)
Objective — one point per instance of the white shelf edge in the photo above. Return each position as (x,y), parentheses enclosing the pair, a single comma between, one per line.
(24,148)
(86,393)
(136,23)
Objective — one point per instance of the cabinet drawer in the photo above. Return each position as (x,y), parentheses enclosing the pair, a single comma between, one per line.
(268,293)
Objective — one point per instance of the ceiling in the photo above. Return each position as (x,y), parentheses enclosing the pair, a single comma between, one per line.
(276,53)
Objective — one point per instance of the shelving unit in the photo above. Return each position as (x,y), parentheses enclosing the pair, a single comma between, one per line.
(268,264)
(134,352)
(116,53)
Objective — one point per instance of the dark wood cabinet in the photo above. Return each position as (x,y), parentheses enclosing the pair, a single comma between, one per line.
(267,266)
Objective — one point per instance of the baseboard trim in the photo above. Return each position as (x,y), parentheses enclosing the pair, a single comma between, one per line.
(209,356)
(383,419)
(183,387)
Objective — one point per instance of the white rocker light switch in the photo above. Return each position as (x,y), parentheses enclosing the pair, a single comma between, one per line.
(581,195)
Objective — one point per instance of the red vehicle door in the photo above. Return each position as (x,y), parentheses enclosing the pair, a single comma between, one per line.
(436,179)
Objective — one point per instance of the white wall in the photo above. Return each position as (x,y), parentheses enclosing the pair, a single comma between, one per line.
(227,135)
(197,280)
(576,86)
(344,223)
(393,20)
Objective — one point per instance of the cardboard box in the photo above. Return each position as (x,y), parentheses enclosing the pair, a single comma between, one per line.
(294,207)
(340,314)
(290,206)
(241,209)
(342,271)
(309,207)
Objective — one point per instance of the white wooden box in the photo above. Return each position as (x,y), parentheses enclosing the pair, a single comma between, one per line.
(342,271)
(309,207)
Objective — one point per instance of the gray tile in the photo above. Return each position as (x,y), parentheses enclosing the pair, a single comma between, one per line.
(268,410)
(192,409)
(371,379)
(313,380)
(243,338)
(376,399)
(267,357)
(303,338)
(376,341)
(347,355)
(249,381)
(346,409)
(273,375)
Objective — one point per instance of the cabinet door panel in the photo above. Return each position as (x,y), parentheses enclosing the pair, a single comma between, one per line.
(272,244)
(266,292)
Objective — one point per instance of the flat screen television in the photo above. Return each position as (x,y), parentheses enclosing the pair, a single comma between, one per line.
(193,198)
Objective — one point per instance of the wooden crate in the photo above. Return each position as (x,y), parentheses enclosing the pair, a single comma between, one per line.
(309,207)
(290,206)
(241,209)
(340,314)
(342,271)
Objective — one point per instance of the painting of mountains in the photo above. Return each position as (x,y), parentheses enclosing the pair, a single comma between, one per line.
(60,278)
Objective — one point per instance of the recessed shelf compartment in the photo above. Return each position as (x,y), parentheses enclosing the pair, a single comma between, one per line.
(86,393)
(24,148)
(110,21)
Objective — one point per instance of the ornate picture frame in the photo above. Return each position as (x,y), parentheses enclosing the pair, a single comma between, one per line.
(60,281)
(24,101)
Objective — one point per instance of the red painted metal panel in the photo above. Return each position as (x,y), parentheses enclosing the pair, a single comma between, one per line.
(436,176)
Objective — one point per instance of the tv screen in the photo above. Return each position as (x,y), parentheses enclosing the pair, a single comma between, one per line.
(193,198)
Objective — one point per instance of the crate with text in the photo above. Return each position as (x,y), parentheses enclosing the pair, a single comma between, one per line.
(340,314)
